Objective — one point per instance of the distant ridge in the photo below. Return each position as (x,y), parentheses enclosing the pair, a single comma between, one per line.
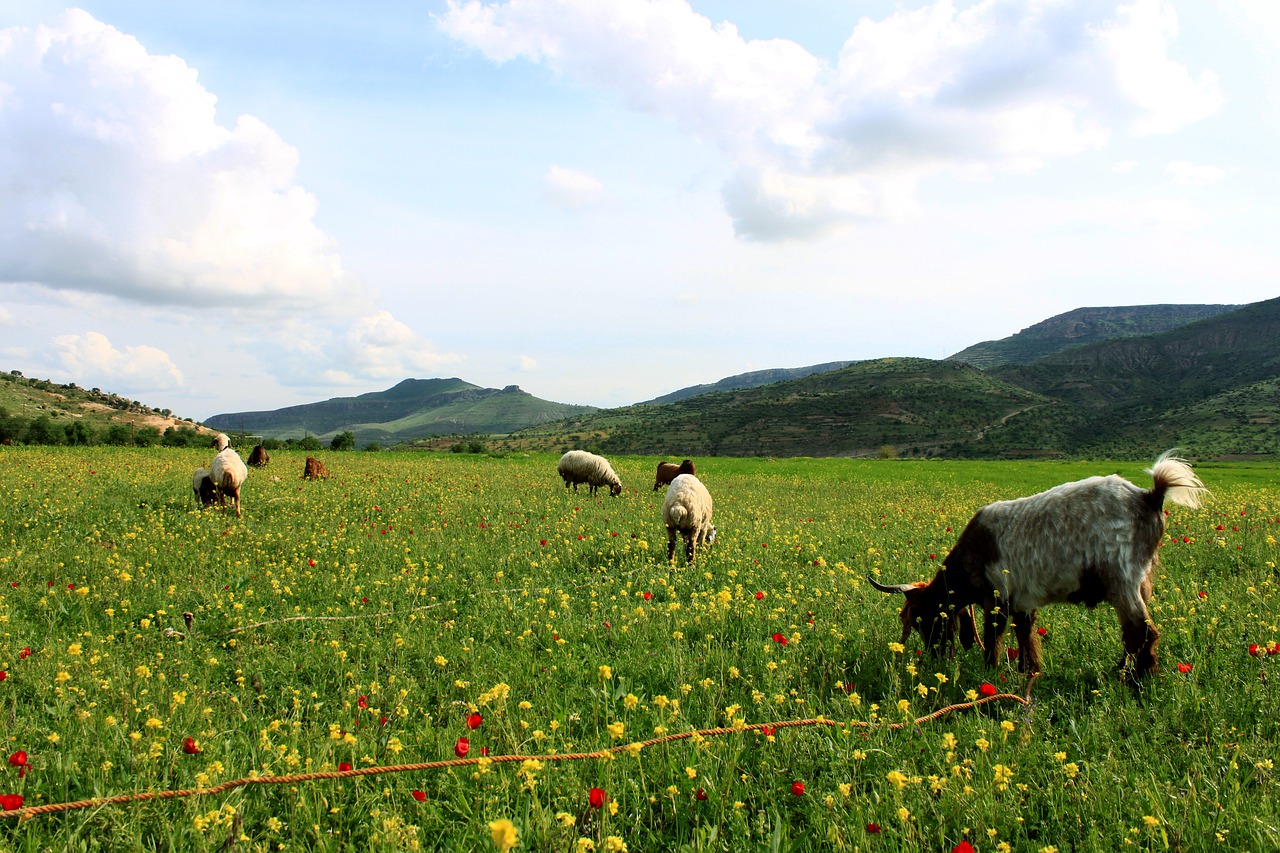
(412,409)
(754,379)
(1084,326)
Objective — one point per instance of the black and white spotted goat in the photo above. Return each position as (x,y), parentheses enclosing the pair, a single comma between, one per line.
(1085,542)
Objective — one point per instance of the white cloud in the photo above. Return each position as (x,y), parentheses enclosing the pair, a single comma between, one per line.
(1191,175)
(6,318)
(1124,167)
(998,86)
(526,363)
(375,348)
(572,190)
(116,178)
(91,360)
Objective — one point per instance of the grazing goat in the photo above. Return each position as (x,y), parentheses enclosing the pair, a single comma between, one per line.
(259,457)
(314,469)
(687,511)
(202,485)
(579,466)
(1082,543)
(668,471)
(228,473)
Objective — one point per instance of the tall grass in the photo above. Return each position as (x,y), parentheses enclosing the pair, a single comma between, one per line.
(434,587)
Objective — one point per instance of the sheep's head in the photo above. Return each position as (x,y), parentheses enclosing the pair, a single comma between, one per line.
(935,613)
(615,489)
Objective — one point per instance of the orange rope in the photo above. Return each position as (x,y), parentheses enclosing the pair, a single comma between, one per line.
(26,813)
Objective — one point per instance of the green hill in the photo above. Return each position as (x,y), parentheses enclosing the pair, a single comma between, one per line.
(1084,326)
(412,409)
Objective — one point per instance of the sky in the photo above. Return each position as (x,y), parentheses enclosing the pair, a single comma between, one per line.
(240,206)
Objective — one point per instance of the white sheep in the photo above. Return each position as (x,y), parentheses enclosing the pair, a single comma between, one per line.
(228,473)
(202,485)
(1085,542)
(687,510)
(579,466)
(221,442)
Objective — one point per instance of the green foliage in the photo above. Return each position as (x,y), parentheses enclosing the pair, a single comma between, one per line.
(361,619)
(345,440)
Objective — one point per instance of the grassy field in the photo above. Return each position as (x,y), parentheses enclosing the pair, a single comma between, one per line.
(376,618)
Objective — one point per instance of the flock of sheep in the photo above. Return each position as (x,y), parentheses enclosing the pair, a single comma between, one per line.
(1083,542)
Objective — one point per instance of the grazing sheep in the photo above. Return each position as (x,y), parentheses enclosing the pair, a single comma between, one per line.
(221,442)
(259,457)
(687,510)
(202,485)
(1082,543)
(668,471)
(314,470)
(228,473)
(579,466)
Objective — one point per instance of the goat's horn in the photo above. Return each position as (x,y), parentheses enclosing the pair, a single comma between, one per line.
(890,588)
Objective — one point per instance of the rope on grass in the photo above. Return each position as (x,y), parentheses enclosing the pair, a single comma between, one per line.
(26,813)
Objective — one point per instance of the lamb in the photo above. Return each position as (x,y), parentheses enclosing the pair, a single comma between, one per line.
(668,471)
(687,510)
(202,485)
(579,466)
(228,473)
(259,457)
(1082,543)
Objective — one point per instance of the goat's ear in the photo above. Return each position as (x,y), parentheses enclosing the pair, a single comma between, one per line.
(903,588)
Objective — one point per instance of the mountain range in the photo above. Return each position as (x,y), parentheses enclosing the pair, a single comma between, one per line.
(1120,381)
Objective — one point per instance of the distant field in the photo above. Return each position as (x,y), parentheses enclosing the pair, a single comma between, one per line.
(363,619)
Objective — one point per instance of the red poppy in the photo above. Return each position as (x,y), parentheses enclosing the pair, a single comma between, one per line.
(189,746)
(873,828)
(363,702)
(1184,667)
(701,795)
(18,759)
(11,802)
(597,797)
(986,689)
(780,638)
(1203,594)
(1042,631)
(759,595)
(1254,649)
(1012,654)
(474,720)
(646,595)
(3,675)
(542,542)
(768,730)
(25,653)
(420,796)
(311,563)
(797,788)
(484,750)
(462,747)
(933,556)
(963,847)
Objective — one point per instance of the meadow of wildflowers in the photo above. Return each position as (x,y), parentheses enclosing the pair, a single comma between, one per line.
(422,607)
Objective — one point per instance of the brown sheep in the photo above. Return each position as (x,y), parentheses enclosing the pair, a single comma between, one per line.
(668,471)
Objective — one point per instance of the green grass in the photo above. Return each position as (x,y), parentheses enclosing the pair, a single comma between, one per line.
(435,585)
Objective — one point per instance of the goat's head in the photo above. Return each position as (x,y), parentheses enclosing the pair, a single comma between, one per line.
(935,613)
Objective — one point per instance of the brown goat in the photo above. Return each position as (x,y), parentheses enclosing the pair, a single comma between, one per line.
(315,470)
(259,457)
(668,471)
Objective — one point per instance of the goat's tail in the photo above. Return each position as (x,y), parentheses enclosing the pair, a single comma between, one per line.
(1173,478)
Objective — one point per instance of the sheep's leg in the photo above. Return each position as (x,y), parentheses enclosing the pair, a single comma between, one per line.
(1024,623)
(689,547)
(993,626)
(671,544)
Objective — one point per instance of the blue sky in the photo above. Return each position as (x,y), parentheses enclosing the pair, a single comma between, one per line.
(239,206)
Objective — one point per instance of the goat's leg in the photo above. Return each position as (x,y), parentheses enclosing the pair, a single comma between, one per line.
(1139,635)
(1024,622)
(993,626)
